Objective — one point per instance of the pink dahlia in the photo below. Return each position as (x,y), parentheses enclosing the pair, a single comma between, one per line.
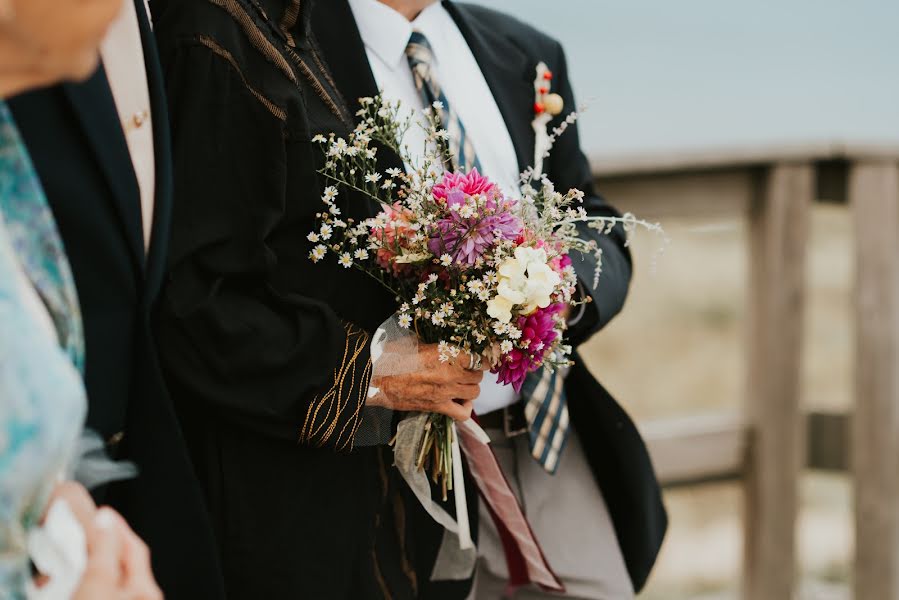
(538,333)
(466,239)
(469,184)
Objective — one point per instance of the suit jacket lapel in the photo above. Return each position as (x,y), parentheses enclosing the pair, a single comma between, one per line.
(162,211)
(510,76)
(338,36)
(96,111)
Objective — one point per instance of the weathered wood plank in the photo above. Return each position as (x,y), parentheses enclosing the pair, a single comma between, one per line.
(874,196)
(778,233)
(703,195)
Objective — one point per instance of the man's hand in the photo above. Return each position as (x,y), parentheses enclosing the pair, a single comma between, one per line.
(445,388)
(46,41)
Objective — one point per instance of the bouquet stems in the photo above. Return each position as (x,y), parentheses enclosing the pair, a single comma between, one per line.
(436,452)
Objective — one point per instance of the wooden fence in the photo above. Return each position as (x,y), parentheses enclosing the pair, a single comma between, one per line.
(772,440)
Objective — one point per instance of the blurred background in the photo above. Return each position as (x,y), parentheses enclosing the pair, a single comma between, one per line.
(764,136)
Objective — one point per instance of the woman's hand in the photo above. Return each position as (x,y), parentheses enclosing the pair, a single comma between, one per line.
(46,41)
(118,562)
(439,387)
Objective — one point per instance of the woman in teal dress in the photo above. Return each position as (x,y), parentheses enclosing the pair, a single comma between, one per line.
(41,351)
(42,397)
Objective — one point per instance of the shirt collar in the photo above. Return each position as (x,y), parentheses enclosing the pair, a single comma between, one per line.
(386,32)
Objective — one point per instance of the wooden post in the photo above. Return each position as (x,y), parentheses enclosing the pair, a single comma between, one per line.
(874,196)
(778,219)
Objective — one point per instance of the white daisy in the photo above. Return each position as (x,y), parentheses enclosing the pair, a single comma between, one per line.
(318,253)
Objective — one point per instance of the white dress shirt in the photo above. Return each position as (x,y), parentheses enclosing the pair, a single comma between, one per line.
(385,34)
(123,58)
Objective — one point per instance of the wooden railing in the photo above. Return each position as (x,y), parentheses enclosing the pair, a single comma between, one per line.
(771,440)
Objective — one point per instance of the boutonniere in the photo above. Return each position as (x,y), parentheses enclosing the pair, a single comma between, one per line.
(547,105)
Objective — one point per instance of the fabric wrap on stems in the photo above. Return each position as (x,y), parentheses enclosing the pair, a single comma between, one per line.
(394,351)
(457,554)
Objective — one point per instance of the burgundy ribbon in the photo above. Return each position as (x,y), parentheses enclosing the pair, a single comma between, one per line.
(524,557)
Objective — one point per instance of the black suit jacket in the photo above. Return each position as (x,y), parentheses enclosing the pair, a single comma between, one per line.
(507,52)
(79,150)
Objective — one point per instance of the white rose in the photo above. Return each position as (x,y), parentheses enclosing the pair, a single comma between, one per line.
(525,280)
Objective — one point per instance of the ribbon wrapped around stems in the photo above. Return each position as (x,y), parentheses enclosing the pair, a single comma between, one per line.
(394,351)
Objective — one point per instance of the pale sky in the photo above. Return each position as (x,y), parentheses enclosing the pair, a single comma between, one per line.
(702,74)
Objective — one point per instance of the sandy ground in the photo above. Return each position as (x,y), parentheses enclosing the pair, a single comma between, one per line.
(677,349)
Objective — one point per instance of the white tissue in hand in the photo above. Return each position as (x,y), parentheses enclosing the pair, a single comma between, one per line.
(58,549)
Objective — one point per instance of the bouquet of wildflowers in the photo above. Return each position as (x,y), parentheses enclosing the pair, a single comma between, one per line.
(485,276)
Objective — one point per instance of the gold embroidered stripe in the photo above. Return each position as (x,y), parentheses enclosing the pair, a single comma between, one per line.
(347,393)
(289,20)
(318,87)
(256,37)
(277,111)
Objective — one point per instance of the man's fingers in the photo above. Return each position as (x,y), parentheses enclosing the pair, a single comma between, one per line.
(466,376)
(456,411)
(466,392)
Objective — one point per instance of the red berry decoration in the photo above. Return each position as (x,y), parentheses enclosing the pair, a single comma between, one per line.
(539,108)
(543,89)
(548,75)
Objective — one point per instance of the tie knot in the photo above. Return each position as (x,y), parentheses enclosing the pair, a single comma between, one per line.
(419,50)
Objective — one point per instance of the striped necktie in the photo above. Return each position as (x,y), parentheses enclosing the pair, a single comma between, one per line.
(546,413)
(543,392)
(421,60)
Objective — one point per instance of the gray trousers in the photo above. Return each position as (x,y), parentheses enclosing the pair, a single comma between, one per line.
(570,519)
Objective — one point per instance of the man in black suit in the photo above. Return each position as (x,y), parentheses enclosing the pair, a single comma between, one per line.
(101,149)
(485,63)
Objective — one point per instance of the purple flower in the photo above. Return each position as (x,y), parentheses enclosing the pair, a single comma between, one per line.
(467,239)
(467,232)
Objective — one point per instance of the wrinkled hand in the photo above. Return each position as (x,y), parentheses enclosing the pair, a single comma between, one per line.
(445,388)
(118,562)
(46,41)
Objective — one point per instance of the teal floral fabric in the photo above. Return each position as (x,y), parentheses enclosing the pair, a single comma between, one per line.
(43,401)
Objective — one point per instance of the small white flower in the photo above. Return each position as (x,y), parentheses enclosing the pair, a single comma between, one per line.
(326,232)
(505,347)
(370,153)
(446,260)
(405,321)
(432,278)
(388,184)
(319,138)
(373,177)
(334,210)
(394,172)
(437,104)
(361,254)
(330,193)
(345,260)
(318,253)
(313,237)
